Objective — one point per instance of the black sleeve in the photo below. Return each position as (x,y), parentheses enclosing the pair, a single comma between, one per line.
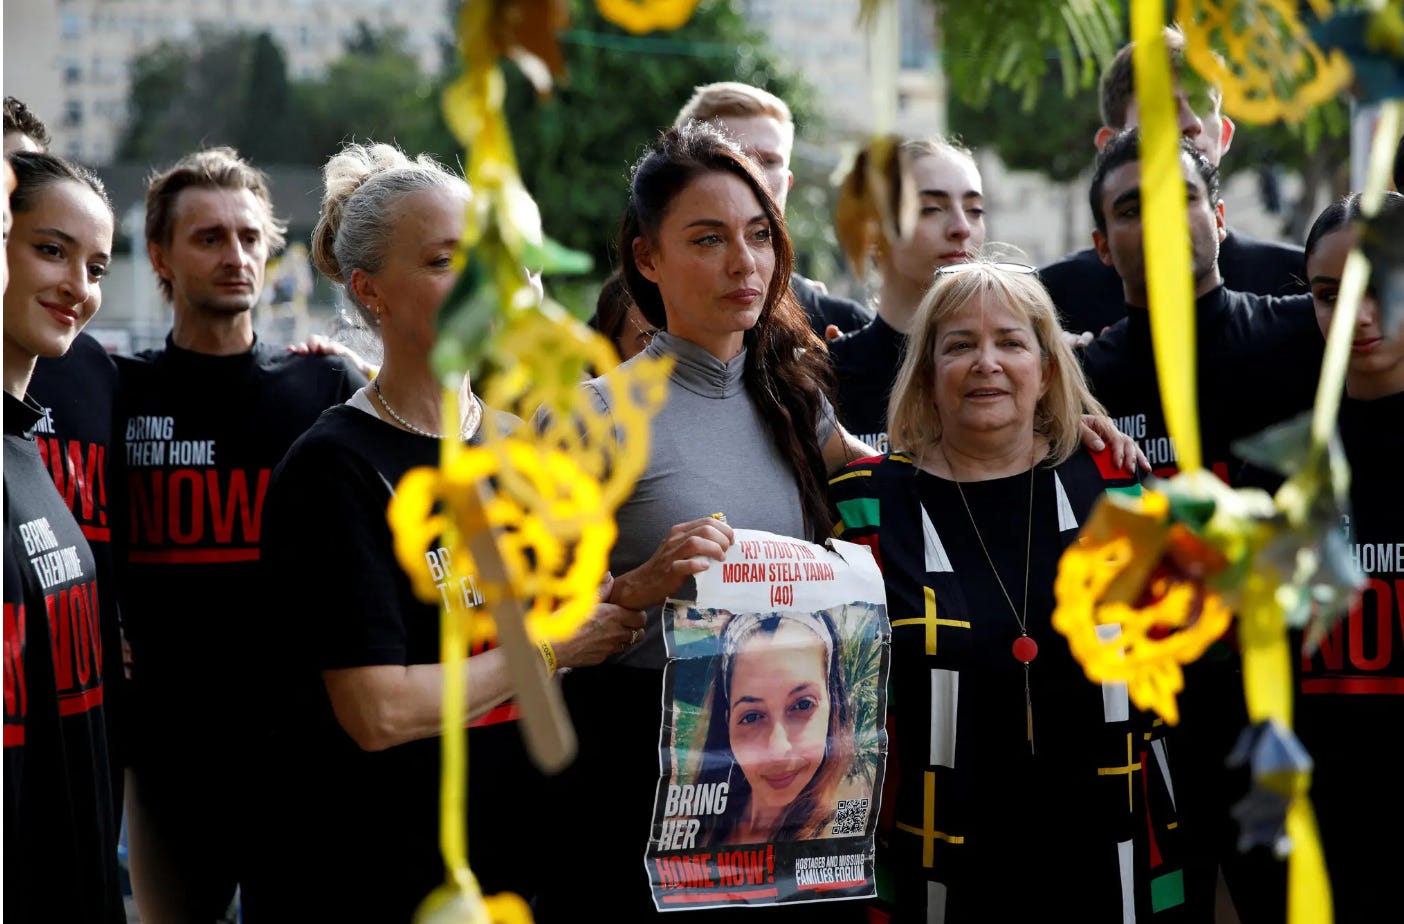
(328,550)
(823,310)
(1102,358)
(845,313)
(1262,267)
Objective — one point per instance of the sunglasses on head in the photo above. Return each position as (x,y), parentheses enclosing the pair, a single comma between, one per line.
(951,269)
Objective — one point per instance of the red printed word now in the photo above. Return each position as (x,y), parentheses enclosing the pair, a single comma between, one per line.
(189,506)
(80,476)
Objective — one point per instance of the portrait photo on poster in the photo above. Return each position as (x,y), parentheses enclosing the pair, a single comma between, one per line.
(774,746)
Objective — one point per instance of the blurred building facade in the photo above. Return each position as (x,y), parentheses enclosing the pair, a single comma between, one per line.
(67,59)
(824,42)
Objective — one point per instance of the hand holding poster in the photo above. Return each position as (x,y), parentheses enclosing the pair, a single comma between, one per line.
(774,747)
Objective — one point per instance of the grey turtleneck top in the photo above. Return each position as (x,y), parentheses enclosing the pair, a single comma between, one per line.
(710,451)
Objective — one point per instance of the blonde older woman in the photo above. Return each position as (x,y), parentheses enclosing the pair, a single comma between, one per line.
(1012,791)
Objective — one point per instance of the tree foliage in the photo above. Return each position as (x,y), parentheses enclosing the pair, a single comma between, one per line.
(575,147)
(1023,85)
(1015,45)
(1054,137)
(376,91)
(233,88)
(225,88)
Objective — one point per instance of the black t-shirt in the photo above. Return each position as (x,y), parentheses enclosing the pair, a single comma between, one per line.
(60,834)
(1351,691)
(1089,294)
(823,310)
(1257,361)
(343,816)
(866,363)
(199,437)
(78,391)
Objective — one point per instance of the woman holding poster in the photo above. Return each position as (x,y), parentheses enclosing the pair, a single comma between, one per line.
(748,429)
(1015,783)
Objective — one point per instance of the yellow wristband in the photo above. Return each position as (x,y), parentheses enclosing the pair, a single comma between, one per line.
(548,654)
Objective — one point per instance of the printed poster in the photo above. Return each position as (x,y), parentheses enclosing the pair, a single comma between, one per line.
(774,743)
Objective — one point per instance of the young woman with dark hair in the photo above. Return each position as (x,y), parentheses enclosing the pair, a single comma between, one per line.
(60,842)
(619,319)
(1351,689)
(748,429)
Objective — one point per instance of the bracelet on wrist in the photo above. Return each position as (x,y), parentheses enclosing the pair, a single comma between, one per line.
(548,654)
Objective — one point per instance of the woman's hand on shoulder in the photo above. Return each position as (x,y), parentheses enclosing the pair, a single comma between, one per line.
(1099,432)
(842,448)
(681,554)
(610,630)
(318,345)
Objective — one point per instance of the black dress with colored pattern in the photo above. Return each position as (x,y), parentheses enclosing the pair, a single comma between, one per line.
(976,824)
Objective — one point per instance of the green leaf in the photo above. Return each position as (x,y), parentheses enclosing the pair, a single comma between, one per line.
(552,258)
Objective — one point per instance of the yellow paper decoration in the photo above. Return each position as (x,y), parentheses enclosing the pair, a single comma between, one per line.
(1115,640)
(543,531)
(467,905)
(554,508)
(640,16)
(1272,69)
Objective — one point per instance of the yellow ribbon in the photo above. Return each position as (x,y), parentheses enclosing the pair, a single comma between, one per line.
(1169,283)
(453,655)
(1266,652)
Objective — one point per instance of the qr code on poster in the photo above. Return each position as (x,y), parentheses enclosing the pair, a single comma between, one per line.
(851,816)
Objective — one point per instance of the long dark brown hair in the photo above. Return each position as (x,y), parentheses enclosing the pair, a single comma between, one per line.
(787,370)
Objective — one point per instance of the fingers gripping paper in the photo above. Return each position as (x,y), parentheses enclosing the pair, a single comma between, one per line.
(773,746)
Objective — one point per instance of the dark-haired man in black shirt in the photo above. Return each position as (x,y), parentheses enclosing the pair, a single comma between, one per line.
(1087,290)
(1257,357)
(202,423)
(1257,362)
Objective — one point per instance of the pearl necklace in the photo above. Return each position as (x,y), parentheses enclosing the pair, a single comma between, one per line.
(470,426)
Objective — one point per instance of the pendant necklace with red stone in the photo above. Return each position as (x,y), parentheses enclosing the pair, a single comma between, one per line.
(1025,648)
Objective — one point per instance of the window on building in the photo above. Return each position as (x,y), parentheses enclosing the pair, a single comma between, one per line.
(71,24)
(72,71)
(73,112)
(918,24)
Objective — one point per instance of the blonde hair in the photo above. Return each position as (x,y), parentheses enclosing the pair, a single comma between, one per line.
(363,183)
(719,100)
(914,424)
